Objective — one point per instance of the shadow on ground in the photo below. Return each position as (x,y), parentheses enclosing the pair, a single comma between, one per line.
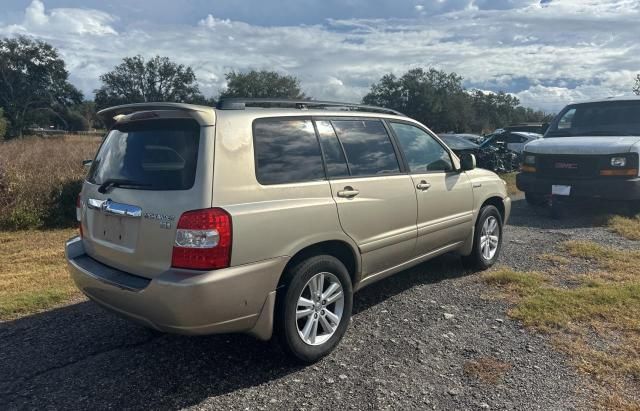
(80,356)
(575,214)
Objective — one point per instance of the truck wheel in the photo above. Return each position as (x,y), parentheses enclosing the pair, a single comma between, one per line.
(558,208)
(634,207)
(487,239)
(535,199)
(314,308)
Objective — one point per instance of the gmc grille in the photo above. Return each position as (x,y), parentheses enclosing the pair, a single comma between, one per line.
(569,166)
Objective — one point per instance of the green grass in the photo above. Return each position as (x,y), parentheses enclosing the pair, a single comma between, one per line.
(595,319)
(510,178)
(33,273)
(628,227)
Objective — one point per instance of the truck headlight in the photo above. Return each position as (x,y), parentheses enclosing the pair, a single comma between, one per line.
(618,161)
(530,160)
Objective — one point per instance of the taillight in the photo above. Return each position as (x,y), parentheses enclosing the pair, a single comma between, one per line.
(203,240)
(79,212)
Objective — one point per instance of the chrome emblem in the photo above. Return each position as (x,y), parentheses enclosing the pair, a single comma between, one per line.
(567,166)
(159,217)
(165,220)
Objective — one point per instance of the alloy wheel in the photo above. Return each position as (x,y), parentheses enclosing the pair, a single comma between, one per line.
(489,238)
(319,308)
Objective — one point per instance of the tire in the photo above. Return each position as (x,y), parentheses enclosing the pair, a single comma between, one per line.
(479,259)
(558,209)
(296,335)
(535,199)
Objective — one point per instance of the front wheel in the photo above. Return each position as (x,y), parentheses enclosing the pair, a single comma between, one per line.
(314,308)
(487,239)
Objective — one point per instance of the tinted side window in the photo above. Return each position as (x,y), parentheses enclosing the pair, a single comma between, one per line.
(422,151)
(286,151)
(333,155)
(367,146)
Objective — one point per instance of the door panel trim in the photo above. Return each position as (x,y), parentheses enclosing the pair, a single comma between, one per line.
(388,239)
(408,264)
(444,223)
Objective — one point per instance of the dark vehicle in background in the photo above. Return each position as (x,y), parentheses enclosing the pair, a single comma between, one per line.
(499,151)
(459,144)
(591,150)
(474,138)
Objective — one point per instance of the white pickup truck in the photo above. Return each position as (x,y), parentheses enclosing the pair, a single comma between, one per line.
(591,150)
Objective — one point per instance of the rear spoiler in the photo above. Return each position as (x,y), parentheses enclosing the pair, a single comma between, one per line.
(204,115)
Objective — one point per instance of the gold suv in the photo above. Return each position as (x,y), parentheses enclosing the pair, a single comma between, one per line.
(265,217)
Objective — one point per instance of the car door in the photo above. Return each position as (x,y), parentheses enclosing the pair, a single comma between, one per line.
(375,198)
(445,195)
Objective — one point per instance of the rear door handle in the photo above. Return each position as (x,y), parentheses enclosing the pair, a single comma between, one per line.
(423,185)
(348,192)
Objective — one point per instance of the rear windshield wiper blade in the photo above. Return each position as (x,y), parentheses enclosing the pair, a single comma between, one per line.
(115,182)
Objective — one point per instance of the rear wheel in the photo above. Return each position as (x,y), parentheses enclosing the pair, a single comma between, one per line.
(535,199)
(487,240)
(314,308)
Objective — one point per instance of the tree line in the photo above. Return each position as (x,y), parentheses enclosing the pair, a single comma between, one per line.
(35,89)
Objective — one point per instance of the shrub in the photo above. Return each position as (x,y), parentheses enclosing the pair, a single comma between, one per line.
(40,179)
(76,122)
(4,124)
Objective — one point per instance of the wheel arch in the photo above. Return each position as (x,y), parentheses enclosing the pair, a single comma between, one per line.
(494,200)
(339,249)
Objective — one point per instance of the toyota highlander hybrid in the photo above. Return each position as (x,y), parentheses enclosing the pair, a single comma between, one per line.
(265,217)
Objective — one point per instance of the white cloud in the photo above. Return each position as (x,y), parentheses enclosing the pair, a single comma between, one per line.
(64,20)
(547,56)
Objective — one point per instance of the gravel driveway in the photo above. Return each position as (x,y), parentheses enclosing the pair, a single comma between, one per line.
(411,338)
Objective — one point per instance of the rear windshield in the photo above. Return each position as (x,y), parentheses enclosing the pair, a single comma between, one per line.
(610,118)
(151,155)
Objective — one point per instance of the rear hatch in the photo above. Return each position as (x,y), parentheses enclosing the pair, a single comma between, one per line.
(150,169)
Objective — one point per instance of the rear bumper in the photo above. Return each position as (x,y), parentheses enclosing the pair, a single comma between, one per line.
(607,188)
(237,299)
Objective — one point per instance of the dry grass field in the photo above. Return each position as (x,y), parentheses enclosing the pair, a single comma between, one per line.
(40,178)
(33,274)
(594,316)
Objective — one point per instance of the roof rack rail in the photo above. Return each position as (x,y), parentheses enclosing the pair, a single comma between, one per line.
(242,103)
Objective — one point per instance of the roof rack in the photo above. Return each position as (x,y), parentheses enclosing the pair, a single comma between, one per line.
(242,103)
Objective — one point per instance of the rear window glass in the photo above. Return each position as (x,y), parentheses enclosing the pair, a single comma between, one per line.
(287,151)
(368,147)
(151,155)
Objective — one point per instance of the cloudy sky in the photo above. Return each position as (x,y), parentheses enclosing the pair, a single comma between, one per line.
(546,52)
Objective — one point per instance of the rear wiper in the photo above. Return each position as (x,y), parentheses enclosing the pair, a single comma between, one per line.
(116,182)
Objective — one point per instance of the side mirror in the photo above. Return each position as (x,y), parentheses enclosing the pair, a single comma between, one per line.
(87,163)
(467,162)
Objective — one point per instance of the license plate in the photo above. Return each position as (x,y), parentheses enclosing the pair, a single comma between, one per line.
(560,190)
(114,230)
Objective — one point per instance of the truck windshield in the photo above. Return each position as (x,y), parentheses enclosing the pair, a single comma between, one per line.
(608,118)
